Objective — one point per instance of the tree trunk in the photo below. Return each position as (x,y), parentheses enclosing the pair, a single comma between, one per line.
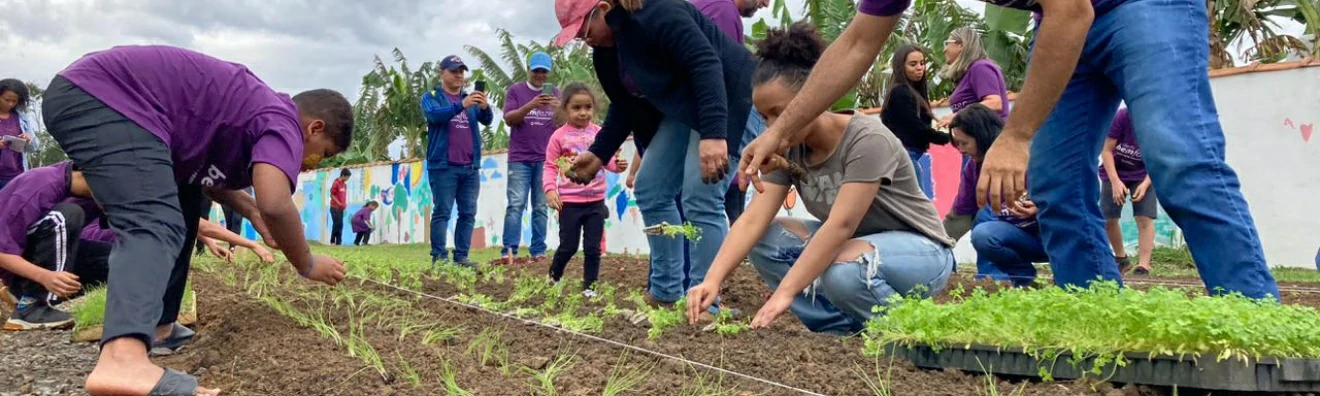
(1219,57)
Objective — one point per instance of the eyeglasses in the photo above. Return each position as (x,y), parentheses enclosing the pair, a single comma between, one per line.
(586,24)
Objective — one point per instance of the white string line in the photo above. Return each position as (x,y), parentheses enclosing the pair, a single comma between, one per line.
(599,339)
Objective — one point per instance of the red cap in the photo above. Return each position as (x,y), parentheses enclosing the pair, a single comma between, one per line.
(572,16)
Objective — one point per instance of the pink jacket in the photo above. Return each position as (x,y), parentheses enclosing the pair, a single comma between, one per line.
(566,141)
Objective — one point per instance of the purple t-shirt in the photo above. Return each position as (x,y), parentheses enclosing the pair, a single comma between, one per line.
(29,197)
(216,117)
(11,162)
(94,232)
(360,219)
(895,7)
(983,78)
(725,15)
(460,135)
(965,202)
(1127,155)
(527,141)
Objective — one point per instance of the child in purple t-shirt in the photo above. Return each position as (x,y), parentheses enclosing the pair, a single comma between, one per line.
(152,128)
(1123,175)
(362,224)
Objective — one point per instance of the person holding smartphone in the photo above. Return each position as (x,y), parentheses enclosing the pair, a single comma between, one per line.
(529,109)
(453,156)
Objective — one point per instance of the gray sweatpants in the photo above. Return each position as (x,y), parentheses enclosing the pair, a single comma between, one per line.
(131,174)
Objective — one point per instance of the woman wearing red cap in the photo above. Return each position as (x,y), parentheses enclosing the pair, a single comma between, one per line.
(683,87)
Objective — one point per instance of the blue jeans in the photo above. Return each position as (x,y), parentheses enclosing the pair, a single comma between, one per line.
(985,268)
(1011,250)
(703,206)
(921,164)
(455,185)
(524,182)
(840,300)
(1153,55)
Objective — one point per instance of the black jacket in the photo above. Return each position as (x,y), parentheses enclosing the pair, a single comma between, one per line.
(903,116)
(686,68)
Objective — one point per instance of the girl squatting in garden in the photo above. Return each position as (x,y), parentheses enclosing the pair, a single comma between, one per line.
(581,208)
(859,181)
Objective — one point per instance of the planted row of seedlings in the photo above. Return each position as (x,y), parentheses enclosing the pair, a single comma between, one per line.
(434,347)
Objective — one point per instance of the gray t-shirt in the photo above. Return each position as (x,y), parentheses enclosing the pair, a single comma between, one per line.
(868,152)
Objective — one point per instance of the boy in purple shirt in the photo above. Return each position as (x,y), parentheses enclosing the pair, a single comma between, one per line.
(43,213)
(1123,175)
(529,108)
(1087,57)
(151,128)
(453,156)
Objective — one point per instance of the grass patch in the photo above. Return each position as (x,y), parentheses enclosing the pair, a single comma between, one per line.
(89,310)
(1103,322)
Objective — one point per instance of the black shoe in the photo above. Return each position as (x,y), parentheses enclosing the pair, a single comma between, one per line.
(1123,264)
(36,316)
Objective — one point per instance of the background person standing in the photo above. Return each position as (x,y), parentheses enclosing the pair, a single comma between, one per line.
(338,202)
(529,109)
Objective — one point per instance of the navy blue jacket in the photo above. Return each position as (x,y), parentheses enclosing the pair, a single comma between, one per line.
(438,111)
(686,68)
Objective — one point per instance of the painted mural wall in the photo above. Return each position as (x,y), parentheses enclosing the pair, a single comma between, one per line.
(1269,145)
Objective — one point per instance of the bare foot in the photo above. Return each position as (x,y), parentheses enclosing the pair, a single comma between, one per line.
(125,370)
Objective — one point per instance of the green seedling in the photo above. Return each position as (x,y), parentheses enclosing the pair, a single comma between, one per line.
(664,319)
(623,381)
(687,230)
(491,349)
(726,325)
(409,373)
(543,381)
(450,378)
(440,333)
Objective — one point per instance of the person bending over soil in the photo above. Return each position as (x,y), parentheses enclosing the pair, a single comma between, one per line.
(859,181)
(149,141)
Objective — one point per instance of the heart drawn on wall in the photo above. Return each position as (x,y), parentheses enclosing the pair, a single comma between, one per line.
(1306,132)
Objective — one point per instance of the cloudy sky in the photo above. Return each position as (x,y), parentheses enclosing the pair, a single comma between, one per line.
(293,45)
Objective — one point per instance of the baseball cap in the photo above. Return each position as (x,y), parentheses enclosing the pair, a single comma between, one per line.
(540,61)
(452,63)
(572,15)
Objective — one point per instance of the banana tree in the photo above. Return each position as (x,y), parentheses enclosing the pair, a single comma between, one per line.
(1254,24)
(389,107)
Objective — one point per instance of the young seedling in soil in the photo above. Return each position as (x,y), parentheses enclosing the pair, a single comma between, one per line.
(880,385)
(726,325)
(663,319)
(409,373)
(701,384)
(543,381)
(491,349)
(449,377)
(687,230)
(623,382)
(440,333)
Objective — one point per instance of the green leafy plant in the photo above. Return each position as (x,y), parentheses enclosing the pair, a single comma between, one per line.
(726,325)
(687,230)
(1101,323)
(663,319)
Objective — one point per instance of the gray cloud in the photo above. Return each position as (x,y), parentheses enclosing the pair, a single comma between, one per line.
(291,44)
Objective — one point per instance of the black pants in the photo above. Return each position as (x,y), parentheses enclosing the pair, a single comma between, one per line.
(53,243)
(133,175)
(734,200)
(362,238)
(336,226)
(580,223)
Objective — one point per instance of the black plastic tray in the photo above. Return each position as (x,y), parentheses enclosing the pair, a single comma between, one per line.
(1254,375)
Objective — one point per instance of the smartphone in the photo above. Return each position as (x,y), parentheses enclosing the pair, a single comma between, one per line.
(480,86)
(548,89)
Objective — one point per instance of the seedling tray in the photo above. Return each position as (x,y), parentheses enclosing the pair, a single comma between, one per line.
(1253,375)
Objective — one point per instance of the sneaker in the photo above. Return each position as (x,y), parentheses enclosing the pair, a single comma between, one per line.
(36,316)
(1123,264)
(588,293)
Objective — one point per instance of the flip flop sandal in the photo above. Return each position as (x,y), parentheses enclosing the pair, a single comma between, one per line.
(175,383)
(180,336)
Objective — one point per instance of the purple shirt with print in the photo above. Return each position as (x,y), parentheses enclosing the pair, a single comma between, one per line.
(217,118)
(527,141)
(895,7)
(983,78)
(11,162)
(965,202)
(1127,155)
(360,219)
(725,15)
(460,135)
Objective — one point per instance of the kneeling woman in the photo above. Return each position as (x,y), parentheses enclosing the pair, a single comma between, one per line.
(1008,242)
(880,235)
